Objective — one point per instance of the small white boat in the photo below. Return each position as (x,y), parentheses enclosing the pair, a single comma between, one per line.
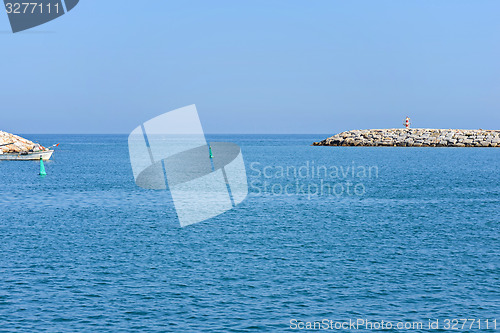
(27,156)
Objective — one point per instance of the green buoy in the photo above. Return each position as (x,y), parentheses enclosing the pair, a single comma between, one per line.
(42,167)
(210,151)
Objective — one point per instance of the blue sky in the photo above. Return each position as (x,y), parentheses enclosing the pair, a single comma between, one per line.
(281,66)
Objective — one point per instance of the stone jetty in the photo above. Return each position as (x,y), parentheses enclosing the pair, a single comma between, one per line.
(18,144)
(415,137)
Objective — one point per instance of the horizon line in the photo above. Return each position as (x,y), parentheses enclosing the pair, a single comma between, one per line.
(204,133)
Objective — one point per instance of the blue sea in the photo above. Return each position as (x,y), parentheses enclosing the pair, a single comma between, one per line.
(404,235)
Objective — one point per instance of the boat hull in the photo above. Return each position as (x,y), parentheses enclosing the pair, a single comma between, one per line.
(45,155)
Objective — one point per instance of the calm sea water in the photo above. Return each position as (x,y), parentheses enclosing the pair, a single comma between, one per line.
(412,235)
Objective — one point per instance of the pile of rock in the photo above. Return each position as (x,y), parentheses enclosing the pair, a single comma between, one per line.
(17,145)
(415,137)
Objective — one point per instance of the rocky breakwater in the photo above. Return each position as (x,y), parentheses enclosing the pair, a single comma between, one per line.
(415,137)
(10,143)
